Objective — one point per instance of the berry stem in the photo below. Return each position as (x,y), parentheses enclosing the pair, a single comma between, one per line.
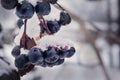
(24,71)
(2,58)
(46,25)
(42,22)
(60,6)
(24,36)
(25,27)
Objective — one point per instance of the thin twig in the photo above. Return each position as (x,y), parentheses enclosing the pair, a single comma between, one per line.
(94,26)
(2,58)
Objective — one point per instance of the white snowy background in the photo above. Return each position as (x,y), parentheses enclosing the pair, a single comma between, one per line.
(70,70)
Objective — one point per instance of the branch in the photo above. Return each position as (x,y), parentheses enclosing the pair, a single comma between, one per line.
(90,39)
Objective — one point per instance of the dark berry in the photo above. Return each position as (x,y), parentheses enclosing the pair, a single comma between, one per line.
(9,4)
(50,64)
(25,10)
(42,8)
(63,53)
(20,23)
(44,64)
(53,1)
(53,26)
(22,61)
(16,51)
(35,56)
(71,52)
(64,18)
(51,55)
(59,62)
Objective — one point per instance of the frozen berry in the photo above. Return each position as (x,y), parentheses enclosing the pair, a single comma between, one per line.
(44,64)
(25,10)
(22,61)
(35,56)
(53,26)
(51,55)
(50,64)
(63,53)
(16,51)
(60,61)
(9,4)
(42,8)
(64,18)
(20,23)
(71,52)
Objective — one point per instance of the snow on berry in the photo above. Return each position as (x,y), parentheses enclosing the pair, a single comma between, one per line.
(55,41)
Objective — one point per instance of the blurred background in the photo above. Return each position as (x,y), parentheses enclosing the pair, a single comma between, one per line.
(95,31)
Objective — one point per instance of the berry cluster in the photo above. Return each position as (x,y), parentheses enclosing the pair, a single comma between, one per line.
(25,10)
(36,56)
(50,57)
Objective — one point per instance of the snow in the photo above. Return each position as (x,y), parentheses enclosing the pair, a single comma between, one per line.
(47,41)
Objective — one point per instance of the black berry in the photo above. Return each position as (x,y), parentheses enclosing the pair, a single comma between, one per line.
(9,4)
